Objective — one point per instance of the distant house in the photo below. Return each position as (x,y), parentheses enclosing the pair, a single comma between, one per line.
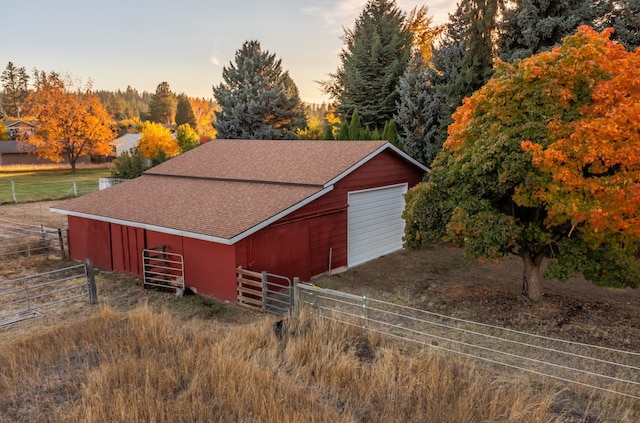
(19,129)
(21,153)
(292,208)
(124,143)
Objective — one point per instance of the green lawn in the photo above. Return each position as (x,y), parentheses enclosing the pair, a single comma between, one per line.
(36,185)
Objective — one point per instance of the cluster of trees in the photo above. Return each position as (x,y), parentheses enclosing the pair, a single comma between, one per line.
(74,121)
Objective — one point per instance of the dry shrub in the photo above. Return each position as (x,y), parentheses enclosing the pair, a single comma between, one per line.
(144,366)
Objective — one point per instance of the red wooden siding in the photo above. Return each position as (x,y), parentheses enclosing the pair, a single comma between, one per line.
(127,244)
(210,268)
(90,239)
(325,224)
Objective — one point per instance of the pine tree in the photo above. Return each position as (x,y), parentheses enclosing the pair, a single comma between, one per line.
(14,83)
(328,133)
(624,20)
(184,112)
(343,131)
(425,105)
(376,54)
(531,26)
(257,100)
(476,66)
(354,126)
(162,107)
(421,109)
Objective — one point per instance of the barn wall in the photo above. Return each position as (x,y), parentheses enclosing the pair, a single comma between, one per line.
(90,239)
(210,268)
(301,243)
(127,244)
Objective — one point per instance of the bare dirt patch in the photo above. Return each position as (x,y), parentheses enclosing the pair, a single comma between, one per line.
(36,213)
(438,279)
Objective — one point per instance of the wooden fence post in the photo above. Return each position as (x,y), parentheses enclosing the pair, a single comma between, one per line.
(265,288)
(91,282)
(296,297)
(61,241)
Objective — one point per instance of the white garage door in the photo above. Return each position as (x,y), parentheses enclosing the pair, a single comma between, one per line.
(375,223)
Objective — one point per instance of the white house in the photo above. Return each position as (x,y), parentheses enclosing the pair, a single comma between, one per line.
(124,143)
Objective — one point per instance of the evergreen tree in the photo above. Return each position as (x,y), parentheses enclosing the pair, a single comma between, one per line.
(257,100)
(328,133)
(184,112)
(420,110)
(476,66)
(355,127)
(425,108)
(375,56)
(162,107)
(343,131)
(14,83)
(375,135)
(531,26)
(390,133)
(624,18)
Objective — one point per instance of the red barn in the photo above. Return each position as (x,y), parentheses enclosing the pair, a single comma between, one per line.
(293,208)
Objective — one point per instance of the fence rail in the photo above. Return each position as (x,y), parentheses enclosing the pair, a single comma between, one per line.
(263,291)
(163,269)
(21,241)
(600,368)
(20,298)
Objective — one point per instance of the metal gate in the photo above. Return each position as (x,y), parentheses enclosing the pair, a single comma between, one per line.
(163,269)
(20,298)
(265,292)
(21,241)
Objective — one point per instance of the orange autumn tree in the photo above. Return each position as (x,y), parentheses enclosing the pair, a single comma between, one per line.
(71,120)
(544,161)
(156,142)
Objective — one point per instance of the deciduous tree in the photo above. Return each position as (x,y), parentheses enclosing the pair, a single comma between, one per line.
(258,99)
(544,161)
(204,112)
(71,121)
(157,140)
(187,138)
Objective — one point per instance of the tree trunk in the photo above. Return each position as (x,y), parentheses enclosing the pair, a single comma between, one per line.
(532,278)
(72,161)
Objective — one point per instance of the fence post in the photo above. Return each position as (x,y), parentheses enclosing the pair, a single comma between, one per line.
(61,240)
(365,312)
(75,188)
(13,191)
(91,282)
(296,297)
(264,292)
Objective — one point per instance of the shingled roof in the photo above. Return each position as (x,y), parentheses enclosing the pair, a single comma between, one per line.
(226,190)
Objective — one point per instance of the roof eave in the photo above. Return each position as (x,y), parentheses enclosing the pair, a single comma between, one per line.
(195,235)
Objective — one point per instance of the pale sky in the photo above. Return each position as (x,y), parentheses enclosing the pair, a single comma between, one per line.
(141,43)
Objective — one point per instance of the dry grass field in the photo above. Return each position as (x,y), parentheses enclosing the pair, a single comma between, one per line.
(143,355)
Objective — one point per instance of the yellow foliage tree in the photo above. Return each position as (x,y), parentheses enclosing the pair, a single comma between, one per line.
(204,112)
(156,137)
(71,121)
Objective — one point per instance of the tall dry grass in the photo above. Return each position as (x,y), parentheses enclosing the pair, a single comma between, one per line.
(144,366)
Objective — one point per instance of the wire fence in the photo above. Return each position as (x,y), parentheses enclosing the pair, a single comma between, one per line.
(594,367)
(20,191)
